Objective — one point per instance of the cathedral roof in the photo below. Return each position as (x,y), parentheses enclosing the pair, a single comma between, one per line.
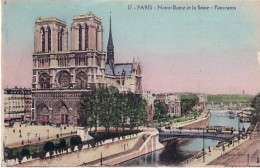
(120,69)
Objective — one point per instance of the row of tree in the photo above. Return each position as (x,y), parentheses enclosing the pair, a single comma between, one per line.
(109,108)
(48,147)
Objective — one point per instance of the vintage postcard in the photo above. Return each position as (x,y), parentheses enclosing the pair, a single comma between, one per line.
(130,83)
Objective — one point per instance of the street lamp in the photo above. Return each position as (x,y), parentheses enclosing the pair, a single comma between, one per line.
(28,134)
(48,133)
(203,150)
(60,131)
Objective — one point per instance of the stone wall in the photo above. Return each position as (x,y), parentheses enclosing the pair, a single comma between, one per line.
(85,155)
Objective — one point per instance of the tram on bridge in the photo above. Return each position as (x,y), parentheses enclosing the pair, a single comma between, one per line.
(219,130)
(220,133)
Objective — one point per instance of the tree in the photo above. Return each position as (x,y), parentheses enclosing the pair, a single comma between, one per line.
(188,101)
(25,152)
(62,145)
(160,110)
(49,147)
(107,107)
(89,117)
(74,141)
(255,116)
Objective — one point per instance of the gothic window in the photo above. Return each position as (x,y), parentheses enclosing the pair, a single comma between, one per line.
(81,80)
(86,37)
(60,40)
(44,81)
(43,39)
(80,37)
(96,37)
(49,39)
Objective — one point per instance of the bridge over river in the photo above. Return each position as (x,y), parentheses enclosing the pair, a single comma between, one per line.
(171,134)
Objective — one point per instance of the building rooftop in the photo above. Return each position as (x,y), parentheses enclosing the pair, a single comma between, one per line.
(88,15)
(121,69)
(23,91)
(52,19)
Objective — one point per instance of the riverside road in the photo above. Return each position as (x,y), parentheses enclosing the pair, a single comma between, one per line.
(247,154)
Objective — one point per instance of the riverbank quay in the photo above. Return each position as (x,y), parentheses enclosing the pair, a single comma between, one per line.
(111,153)
(87,154)
(149,145)
(200,122)
(247,154)
(217,156)
(215,152)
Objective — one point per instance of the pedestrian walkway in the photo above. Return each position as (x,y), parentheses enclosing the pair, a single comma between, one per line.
(28,134)
(214,154)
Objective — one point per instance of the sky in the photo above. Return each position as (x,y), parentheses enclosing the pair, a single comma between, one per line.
(209,51)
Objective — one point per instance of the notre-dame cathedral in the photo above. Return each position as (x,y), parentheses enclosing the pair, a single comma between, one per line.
(60,75)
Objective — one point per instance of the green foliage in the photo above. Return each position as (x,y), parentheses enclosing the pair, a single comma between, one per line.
(196,113)
(255,116)
(230,98)
(107,107)
(37,150)
(74,141)
(62,144)
(111,135)
(49,147)
(160,111)
(25,152)
(8,153)
(188,101)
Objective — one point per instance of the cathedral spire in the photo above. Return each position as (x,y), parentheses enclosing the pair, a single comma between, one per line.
(110,48)
(110,39)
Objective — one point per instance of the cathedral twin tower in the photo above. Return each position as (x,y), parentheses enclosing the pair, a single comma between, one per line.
(60,76)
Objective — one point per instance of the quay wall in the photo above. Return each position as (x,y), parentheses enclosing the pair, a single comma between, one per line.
(85,155)
(150,145)
(200,124)
(113,153)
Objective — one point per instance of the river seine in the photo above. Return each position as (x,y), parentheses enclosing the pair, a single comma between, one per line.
(174,154)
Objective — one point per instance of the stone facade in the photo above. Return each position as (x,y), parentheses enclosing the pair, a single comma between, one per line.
(60,76)
(17,102)
(173,102)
